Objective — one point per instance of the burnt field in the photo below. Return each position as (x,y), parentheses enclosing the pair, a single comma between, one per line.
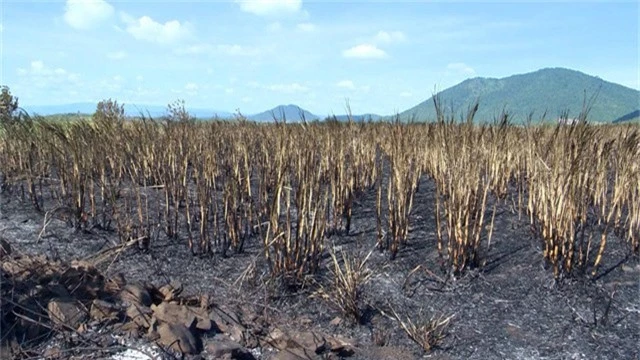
(402,241)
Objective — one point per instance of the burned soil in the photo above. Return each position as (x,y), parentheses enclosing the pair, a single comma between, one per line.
(511,307)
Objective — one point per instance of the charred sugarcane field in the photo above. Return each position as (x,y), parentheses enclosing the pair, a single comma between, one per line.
(321,239)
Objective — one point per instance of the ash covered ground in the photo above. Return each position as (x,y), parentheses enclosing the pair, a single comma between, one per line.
(511,308)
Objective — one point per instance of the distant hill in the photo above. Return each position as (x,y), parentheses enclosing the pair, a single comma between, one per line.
(632,116)
(129,109)
(552,90)
(292,113)
(357,118)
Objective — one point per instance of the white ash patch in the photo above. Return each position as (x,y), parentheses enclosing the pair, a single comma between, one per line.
(137,350)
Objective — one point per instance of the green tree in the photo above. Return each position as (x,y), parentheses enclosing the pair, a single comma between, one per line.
(8,105)
(109,112)
(177,112)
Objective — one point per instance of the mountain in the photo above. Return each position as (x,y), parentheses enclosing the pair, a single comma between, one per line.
(129,110)
(82,108)
(289,112)
(632,116)
(553,90)
(357,118)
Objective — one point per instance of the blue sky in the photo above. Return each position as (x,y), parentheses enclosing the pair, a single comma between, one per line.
(382,56)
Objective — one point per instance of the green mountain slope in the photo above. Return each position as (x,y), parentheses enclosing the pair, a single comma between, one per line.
(356,118)
(552,90)
(633,116)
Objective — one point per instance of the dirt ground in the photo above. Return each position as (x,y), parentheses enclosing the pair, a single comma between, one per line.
(509,309)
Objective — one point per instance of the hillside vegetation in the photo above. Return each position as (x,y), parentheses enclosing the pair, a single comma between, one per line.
(630,117)
(553,90)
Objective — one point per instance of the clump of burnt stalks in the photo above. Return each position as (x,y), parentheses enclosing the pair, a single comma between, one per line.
(583,183)
(348,276)
(461,165)
(221,186)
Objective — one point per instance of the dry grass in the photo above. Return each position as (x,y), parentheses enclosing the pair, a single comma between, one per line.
(427,334)
(219,184)
(347,281)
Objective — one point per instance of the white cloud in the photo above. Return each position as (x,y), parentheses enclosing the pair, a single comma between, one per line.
(284,88)
(306,27)
(86,14)
(225,49)
(114,84)
(37,66)
(364,51)
(270,7)
(53,81)
(1,27)
(288,88)
(390,37)
(461,68)
(41,76)
(147,29)
(117,55)
(191,86)
(238,50)
(139,78)
(406,94)
(346,84)
(195,49)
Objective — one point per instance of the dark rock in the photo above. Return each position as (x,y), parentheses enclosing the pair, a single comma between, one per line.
(135,294)
(341,346)
(104,311)
(130,329)
(224,319)
(66,313)
(83,281)
(223,347)
(178,337)
(310,341)
(58,291)
(115,283)
(171,291)
(336,321)
(294,354)
(140,315)
(181,314)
